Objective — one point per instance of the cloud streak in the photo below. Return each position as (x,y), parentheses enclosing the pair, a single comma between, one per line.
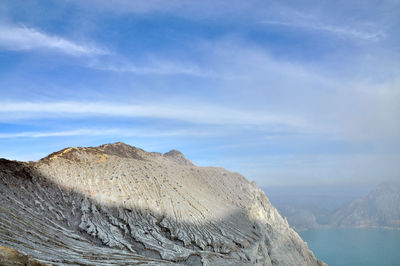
(116,132)
(158,67)
(24,38)
(192,113)
(348,32)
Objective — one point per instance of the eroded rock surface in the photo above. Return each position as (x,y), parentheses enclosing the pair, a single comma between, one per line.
(11,257)
(117,204)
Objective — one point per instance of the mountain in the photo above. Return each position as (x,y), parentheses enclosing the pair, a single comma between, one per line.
(116,204)
(304,217)
(380,208)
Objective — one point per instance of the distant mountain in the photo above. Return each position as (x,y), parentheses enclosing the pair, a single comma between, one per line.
(380,208)
(119,205)
(304,217)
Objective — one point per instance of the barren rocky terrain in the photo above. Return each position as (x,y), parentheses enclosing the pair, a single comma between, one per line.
(119,205)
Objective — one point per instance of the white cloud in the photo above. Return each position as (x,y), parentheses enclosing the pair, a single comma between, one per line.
(182,111)
(43,134)
(348,32)
(155,67)
(346,100)
(116,132)
(24,38)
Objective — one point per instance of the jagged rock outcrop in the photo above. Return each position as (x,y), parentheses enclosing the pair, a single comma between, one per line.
(117,204)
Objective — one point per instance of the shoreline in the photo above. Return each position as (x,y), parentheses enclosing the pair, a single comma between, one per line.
(355,227)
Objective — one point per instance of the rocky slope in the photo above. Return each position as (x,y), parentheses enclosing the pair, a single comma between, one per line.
(380,208)
(9,256)
(117,204)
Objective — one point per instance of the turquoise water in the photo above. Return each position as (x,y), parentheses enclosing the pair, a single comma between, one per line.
(348,247)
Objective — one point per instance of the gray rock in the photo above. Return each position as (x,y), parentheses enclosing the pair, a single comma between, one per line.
(119,205)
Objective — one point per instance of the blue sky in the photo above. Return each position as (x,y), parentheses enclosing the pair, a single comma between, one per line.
(285,92)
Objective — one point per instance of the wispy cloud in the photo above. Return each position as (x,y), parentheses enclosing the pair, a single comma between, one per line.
(43,134)
(26,38)
(23,38)
(182,111)
(155,67)
(189,9)
(348,32)
(116,132)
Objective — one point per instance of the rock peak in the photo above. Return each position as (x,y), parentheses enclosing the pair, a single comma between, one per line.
(124,150)
(119,149)
(178,157)
(174,153)
(116,144)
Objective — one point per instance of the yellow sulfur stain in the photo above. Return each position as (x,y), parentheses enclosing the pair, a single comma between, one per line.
(102,158)
(63,152)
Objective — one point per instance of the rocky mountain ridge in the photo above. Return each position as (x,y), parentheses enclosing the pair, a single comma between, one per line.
(117,204)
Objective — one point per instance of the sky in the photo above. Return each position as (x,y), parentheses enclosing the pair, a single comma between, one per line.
(284,92)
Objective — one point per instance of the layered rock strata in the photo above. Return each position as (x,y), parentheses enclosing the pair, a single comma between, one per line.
(119,205)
